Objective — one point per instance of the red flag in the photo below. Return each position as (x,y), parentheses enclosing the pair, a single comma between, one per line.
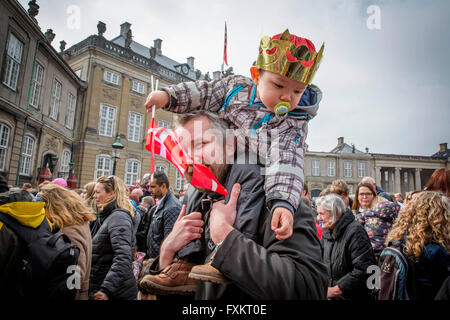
(165,143)
(225,46)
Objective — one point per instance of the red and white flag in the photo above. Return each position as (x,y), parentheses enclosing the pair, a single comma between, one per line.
(165,143)
(225,46)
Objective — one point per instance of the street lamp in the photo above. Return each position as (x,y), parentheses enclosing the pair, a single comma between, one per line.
(116,154)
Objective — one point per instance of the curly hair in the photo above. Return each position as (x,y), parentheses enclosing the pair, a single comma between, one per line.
(424,220)
(64,207)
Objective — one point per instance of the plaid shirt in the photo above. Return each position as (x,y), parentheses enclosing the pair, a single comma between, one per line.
(279,142)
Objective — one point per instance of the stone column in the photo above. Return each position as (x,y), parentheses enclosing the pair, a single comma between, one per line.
(378,176)
(397,186)
(418,183)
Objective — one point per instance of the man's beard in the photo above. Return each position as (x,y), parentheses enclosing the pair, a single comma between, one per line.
(220,171)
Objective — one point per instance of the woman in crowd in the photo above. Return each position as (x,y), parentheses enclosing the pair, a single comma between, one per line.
(346,249)
(440,181)
(378,222)
(112,244)
(365,197)
(424,228)
(65,209)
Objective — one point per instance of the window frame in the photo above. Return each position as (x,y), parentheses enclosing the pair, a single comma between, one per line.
(134,176)
(111,78)
(139,84)
(104,171)
(36,86)
(348,169)
(55,100)
(333,167)
(4,147)
(315,171)
(13,63)
(361,173)
(26,170)
(70,111)
(132,138)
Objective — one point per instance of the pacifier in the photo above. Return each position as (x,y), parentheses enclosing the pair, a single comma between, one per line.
(282,108)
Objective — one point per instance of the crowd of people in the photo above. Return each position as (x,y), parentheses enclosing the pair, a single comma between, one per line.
(267,239)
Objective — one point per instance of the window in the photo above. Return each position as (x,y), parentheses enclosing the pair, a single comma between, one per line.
(56,97)
(179,182)
(27,156)
(315,168)
(103,166)
(4,140)
(107,119)
(361,169)
(70,113)
(132,172)
(331,168)
(163,124)
(161,168)
(134,127)
(111,77)
(36,86)
(138,87)
(13,58)
(347,169)
(65,160)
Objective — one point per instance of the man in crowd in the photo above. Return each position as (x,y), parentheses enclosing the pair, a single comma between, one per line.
(141,235)
(257,266)
(378,189)
(163,214)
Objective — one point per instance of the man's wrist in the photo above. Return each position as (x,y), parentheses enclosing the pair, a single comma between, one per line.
(225,230)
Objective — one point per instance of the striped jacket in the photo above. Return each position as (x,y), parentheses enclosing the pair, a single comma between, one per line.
(279,142)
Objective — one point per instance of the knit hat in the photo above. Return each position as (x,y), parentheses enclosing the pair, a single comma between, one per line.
(60,181)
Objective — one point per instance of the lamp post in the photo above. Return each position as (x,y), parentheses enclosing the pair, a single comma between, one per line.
(116,154)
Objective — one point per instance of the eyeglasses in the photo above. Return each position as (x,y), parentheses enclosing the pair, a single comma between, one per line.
(362,195)
(111,178)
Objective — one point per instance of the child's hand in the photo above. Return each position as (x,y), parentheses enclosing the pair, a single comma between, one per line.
(158,98)
(284,217)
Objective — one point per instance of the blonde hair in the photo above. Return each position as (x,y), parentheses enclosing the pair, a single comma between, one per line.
(64,207)
(117,186)
(425,220)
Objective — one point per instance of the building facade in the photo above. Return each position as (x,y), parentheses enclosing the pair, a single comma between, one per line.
(393,173)
(40,99)
(120,73)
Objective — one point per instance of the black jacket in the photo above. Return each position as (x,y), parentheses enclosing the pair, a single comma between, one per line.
(259,265)
(112,255)
(162,219)
(348,253)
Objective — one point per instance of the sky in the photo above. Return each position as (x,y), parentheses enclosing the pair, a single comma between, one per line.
(384,75)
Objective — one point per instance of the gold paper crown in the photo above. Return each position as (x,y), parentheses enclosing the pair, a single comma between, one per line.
(285,58)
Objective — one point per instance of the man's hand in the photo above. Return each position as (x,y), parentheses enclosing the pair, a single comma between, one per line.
(158,98)
(186,228)
(333,292)
(100,296)
(223,215)
(284,217)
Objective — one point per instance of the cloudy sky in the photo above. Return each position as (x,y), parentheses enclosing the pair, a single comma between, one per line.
(384,75)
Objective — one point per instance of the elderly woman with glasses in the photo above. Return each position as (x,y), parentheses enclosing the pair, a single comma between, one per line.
(112,275)
(346,250)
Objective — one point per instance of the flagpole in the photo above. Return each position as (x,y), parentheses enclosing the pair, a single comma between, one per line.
(152,126)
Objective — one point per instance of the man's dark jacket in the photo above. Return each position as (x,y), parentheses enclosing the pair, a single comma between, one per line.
(348,253)
(112,255)
(162,219)
(261,268)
